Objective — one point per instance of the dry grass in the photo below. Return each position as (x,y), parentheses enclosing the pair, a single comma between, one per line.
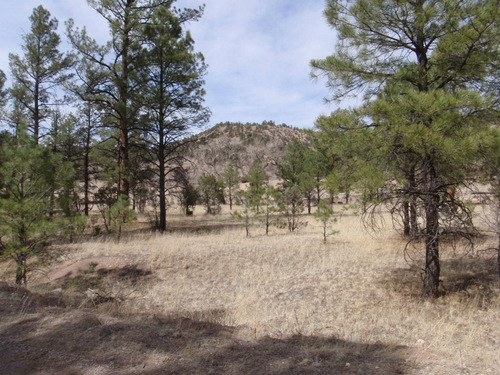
(356,288)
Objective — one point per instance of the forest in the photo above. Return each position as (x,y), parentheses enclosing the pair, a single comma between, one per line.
(107,126)
(97,123)
(367,244)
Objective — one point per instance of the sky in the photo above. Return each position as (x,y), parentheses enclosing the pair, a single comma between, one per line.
(258,53)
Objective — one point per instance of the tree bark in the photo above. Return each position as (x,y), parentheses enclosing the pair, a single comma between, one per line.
(36,113)
(86,182)
(432,266)
(163,202)
(21,269)
(86,161)
(413,218)
(318,188)
(498,256)
(410,206)
(410,218)
(406,219)
(124,183)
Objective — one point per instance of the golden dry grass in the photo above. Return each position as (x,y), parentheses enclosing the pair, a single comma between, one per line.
(356,288)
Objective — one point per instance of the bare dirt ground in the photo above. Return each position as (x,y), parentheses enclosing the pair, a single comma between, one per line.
(203,299)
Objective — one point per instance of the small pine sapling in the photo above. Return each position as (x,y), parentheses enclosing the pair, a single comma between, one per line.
(249,209)
(120,214)
(324,214)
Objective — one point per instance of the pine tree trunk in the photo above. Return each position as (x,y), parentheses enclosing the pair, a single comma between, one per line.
(21,269)
(86,183)
(124,183)
(498,256)
(36,113)
(432,267)
(413,204)
(318,188)
(86,161)
(161,154)
(406,219)
(410,207)
(124,186)
(163,203)
(413,218)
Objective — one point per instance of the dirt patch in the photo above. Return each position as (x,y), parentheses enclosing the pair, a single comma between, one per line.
(96,264)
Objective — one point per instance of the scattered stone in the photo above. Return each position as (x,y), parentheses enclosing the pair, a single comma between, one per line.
(420,343)
(91,293)
(177,335)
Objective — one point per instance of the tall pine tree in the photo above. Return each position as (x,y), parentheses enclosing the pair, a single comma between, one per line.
(40,70)
(422,59)
(172,97)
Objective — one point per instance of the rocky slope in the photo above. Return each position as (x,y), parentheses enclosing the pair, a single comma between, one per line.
(212,150)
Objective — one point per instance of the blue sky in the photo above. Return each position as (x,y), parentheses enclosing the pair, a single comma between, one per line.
(257,51)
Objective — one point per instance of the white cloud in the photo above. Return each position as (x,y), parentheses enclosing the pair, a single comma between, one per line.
(258,52)
(15,23)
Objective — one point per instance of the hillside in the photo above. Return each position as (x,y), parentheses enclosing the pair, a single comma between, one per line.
(211,151)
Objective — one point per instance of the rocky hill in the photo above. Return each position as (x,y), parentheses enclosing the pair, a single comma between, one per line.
(212,150)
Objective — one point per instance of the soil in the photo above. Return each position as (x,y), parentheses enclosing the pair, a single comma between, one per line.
(82,266)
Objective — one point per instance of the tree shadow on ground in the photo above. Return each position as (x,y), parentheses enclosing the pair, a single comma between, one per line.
(70,341)
(467,278)
(202,227)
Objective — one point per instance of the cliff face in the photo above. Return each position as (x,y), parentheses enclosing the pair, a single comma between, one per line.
(211,151)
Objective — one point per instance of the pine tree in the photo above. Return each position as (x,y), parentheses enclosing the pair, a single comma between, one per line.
(172,97)
(424,65)
(3,92)
(296,168)
(29,175)
(231,182)
(41,69)
(257,179)
(211,193)
(324,214)
(113,65)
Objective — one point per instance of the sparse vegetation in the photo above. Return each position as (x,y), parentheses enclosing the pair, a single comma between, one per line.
(119,215)
(227,143)
(324,214)
(354,293)
(424,71)
(211,193)
(231,182)
(292,205)
(248,210)
(187,292)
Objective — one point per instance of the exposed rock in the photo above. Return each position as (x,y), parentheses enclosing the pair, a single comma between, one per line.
(212,150)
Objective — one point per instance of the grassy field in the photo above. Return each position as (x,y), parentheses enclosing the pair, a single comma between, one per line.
(357,288)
